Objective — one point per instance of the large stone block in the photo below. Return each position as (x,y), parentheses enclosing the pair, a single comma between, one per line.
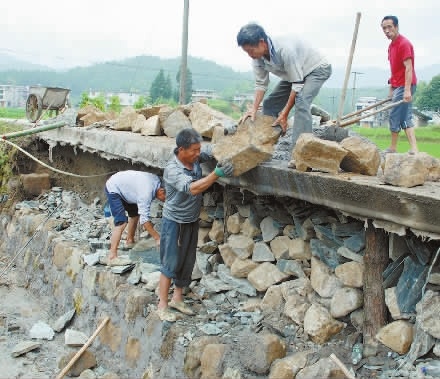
(35,184)
(315,153)
(204,119)
(404,170)
(252,144)
(363,156)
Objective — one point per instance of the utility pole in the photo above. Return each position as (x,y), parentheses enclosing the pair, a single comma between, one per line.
(184,58)
(333,98)
(355,74)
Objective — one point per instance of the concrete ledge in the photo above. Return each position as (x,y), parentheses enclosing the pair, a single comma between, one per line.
(365,196)
(362,196)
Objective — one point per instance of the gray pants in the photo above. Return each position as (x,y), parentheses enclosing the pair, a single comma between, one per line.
(277,99)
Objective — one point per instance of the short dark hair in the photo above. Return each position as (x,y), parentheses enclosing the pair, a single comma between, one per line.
(187,137)
(394,19)
(251,34)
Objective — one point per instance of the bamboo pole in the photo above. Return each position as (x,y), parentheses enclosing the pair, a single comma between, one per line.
(83,348)
(348,69)
(28,132)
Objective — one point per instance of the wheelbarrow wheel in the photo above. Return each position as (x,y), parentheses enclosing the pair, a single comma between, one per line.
(34,107)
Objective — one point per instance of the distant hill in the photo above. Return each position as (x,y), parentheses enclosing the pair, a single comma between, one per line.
(8,62)
(131,75)
(376,77)
(136,75)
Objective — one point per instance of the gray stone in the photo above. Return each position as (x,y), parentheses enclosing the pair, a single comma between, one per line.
(62,321)
(262,253)
(74,338)
(91,259)
(410,284)
(24,347)
(356,242)
(327,254)
(175,122)
(290,267)
(240,285)
(41,330)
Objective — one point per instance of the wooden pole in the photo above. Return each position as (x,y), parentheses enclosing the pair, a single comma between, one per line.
(375,262)
(366,108)
(83,348)
(348,69)
(356,119)
(344,368)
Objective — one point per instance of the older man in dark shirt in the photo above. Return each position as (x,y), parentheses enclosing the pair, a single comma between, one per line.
(184,186)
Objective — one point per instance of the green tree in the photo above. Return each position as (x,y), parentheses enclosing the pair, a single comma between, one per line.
(115,104)
(85,100)
(188,86)
(168,89)
(158,87)
(428,97)
(140,103)
(98,102)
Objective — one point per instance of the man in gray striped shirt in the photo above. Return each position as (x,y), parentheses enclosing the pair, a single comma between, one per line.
(184,186)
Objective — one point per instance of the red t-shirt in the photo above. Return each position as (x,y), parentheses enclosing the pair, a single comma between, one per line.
(399,50)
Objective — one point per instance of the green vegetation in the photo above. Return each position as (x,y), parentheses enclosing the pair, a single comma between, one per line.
(161,88)
(140,103)
(225,107)
(14,113)
(115,104)
(428,138)
(98,102)
(428,95)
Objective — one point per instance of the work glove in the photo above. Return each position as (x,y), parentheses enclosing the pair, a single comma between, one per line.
(224,169)
(230,127)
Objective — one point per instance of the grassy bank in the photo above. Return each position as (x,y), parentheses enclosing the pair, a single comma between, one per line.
(428,138)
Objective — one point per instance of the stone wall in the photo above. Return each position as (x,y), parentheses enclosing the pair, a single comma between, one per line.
(279,275)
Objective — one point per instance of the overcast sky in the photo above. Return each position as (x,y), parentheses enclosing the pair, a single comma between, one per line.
(72,33)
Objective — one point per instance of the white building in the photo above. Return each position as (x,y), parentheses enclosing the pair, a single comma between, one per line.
(13,96)
(375,120)
(199,94)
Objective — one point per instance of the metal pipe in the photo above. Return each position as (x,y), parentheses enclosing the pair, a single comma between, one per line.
(33,130)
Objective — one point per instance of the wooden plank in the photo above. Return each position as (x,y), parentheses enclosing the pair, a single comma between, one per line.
(375,261)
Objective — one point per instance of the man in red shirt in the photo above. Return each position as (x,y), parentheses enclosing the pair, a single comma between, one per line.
(402,83)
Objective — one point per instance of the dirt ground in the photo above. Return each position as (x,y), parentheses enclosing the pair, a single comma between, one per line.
(19,311)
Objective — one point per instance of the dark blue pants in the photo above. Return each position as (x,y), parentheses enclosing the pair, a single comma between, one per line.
(178,246)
